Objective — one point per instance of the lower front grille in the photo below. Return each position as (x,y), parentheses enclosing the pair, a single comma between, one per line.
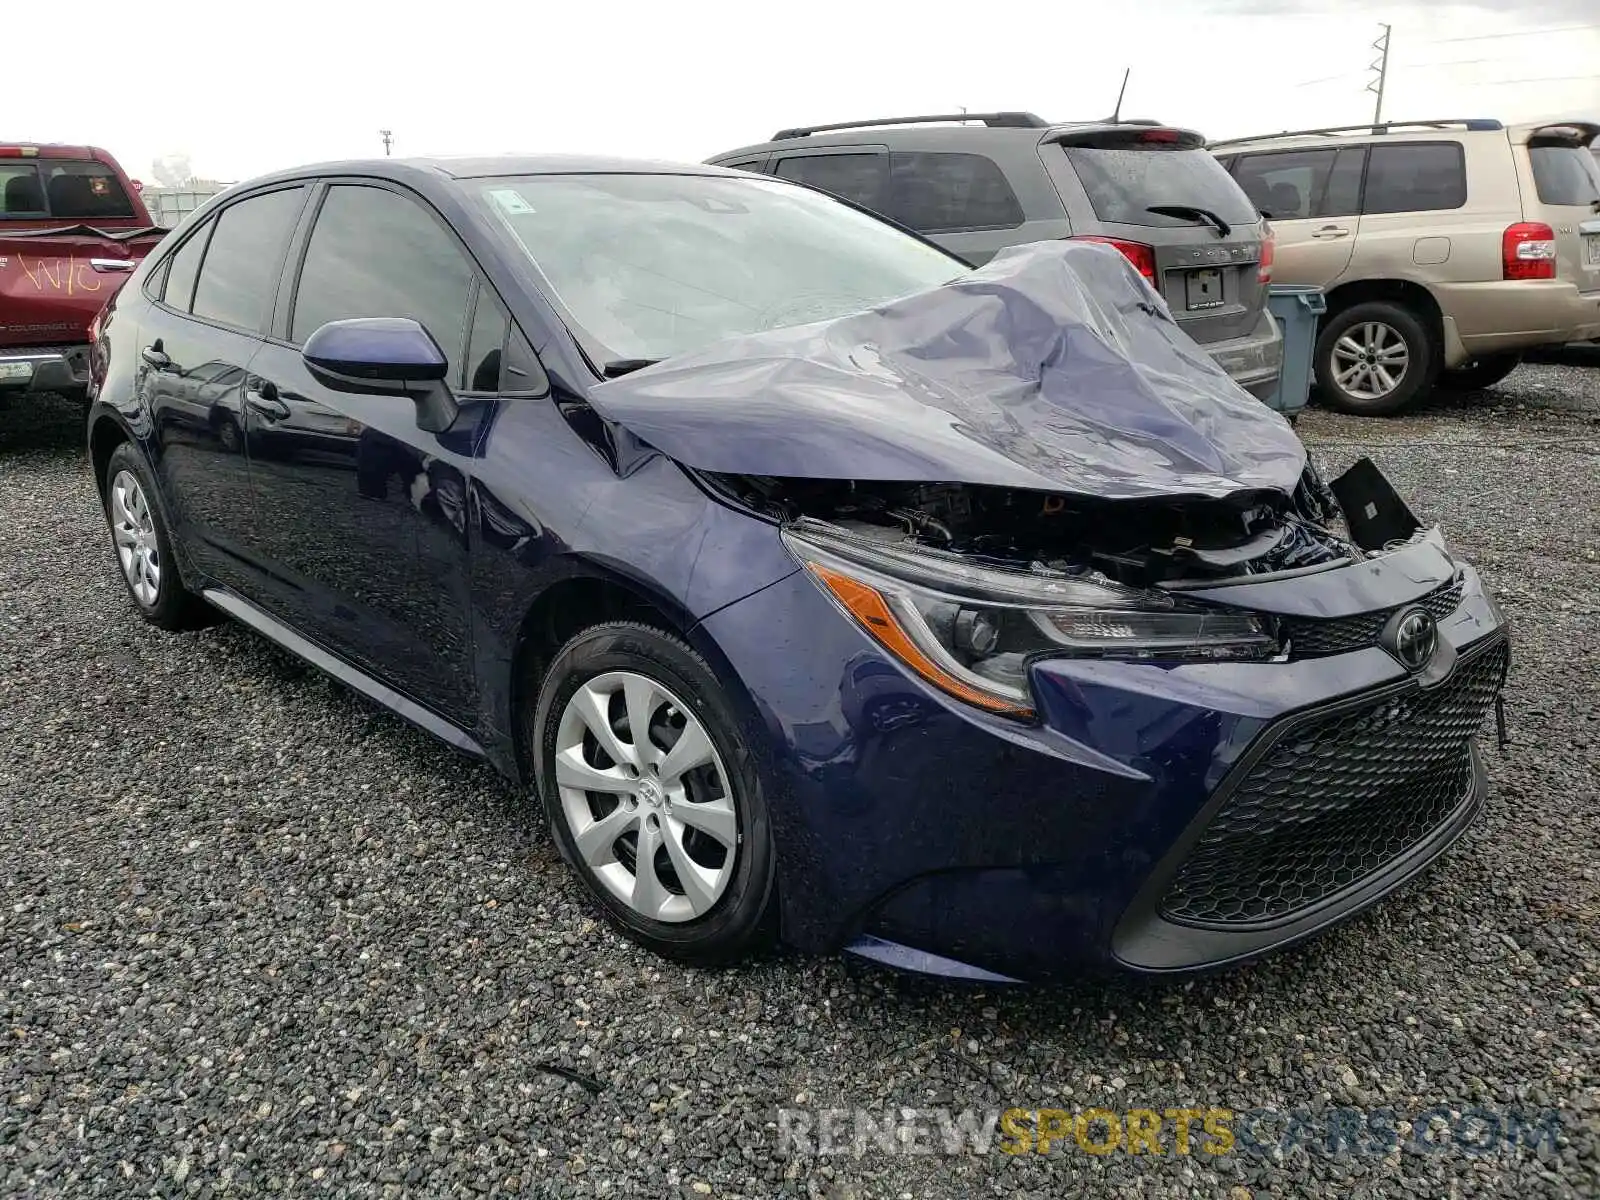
(1336,796)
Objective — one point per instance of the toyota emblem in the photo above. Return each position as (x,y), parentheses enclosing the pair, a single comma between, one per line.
(1414,638)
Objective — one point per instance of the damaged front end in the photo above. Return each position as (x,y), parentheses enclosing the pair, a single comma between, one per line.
(1030,461)
(968,585)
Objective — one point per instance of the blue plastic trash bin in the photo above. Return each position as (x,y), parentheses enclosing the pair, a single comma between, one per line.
(1296,307)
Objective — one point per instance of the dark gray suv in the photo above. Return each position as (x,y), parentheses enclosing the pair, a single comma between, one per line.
(976,183)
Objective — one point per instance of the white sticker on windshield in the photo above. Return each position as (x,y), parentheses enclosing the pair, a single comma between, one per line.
(511,201)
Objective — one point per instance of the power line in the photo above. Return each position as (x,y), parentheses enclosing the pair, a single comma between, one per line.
(1521,33)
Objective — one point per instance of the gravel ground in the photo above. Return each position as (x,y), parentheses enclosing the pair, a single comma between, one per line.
(256,935)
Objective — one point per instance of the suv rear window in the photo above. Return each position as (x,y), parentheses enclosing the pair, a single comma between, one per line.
(66,188)
(1124,183)
(941,192)
(1565,174)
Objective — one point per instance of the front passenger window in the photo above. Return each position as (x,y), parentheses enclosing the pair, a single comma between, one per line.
(376,253)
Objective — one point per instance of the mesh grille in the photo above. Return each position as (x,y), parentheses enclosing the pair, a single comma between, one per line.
(1337,797)
(1309,639)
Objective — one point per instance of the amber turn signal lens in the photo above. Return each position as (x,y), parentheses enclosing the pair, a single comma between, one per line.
(868,606)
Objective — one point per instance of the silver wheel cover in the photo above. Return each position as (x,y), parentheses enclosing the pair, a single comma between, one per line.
(646,797)
(133,529)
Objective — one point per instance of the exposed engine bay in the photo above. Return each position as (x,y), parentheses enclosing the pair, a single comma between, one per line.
(1140,543)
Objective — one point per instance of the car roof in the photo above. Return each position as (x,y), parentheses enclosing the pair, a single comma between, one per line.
(933,132)
(416,170)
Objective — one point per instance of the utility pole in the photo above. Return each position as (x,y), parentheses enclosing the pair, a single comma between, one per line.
(1381,66)
(387,135)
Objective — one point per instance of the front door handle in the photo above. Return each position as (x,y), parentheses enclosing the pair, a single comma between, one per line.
(156,356)
(1331,231)
(265,401)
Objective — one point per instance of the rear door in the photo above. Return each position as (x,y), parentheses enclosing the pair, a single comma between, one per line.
(212,298)
(1566,185)
(1111,179)
(1313,199)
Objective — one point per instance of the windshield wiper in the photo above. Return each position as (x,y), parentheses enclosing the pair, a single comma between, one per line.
(621,366)
(1193,213)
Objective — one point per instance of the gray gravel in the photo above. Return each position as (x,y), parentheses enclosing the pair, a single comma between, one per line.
(256,935)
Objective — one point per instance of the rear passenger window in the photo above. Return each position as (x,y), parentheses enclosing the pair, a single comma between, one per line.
(1299,184)
(375,253)
(239,274)
(1415,177)
(184,266)
(861,178)
(944,192)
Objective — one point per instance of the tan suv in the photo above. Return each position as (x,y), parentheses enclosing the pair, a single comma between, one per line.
(1447,247)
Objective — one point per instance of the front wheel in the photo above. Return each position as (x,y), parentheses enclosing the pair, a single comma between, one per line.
(1484,373)
(1374,358)
(652,795)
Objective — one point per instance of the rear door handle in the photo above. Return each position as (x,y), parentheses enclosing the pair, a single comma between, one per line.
(1331,231)
(266,402)
(155,355)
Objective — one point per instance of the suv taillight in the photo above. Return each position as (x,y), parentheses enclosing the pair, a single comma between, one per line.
(1141,256)
(1268,252)
(1528,251)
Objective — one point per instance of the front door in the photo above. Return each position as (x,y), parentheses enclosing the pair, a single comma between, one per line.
(362,513)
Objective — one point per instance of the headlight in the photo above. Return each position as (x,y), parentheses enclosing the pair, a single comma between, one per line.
(971,629)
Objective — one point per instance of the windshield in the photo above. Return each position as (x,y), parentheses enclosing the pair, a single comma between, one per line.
(653,265)
(1123,185)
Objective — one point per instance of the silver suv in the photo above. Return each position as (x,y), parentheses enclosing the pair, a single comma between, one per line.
(1447,247)
(976,183)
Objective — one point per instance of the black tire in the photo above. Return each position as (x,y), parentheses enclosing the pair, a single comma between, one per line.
(1421,367)
(1484,373)
(742,921)
(174,607)
(229,436)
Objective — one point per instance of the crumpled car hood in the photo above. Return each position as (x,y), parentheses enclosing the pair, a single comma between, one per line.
(1053,367)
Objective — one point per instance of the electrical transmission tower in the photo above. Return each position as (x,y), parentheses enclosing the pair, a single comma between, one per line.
(1380,67)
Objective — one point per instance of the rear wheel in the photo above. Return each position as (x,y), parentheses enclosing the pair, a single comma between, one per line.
(652,795)
(143,547)
(1374,358)
(1484,373)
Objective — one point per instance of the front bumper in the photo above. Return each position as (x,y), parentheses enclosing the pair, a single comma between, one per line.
(919,831)
(45,369)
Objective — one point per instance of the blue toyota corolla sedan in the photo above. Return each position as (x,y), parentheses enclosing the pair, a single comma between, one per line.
(819,587)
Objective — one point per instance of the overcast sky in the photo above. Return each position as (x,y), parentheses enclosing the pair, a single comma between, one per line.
(296,81)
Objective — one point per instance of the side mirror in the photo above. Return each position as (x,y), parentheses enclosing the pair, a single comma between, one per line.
(385,356)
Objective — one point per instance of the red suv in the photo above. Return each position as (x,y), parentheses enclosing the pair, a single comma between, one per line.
(72,228)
